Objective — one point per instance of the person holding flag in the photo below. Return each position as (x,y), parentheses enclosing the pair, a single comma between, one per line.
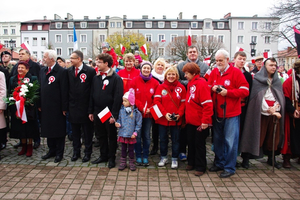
(106,95)
(170,99)
(144,86)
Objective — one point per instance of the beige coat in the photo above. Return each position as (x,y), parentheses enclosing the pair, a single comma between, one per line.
(2,103)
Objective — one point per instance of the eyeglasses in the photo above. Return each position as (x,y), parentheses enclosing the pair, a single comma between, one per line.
(73,58)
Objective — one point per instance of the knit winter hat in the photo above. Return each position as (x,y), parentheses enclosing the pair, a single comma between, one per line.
(130,96)
(146,63)
(105,44)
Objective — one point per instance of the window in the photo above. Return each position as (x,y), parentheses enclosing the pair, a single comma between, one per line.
(241,25)
(173,24)
(102,38)
(26,39)
(5,31)
(34,53)
(70,38)
(119,25)
(128,24)
(161,51)
(161,24)
(112,24)
(34,41)
(203,38)
(83,24)
(194,37)
(194,25)
(240,39)
(220,25)
(221,38)
(173,51)
(83,38)
(148,37)
(29,27)
(58,51)
(148,24)
(39,27)
(13,31)
(70,24)
(43,41)
(70,50)
(58,25)
(101,24)
(254,39)
(210,38)
(6,43)
(268,25)
(173,37)
(58,38)
(84,51)
(254,25)
(207,25)
(267,39)
(161,38)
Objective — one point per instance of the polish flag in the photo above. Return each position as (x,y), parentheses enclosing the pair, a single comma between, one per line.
(238,49)
(267,55)
(144,49)
(21,113)
(189,41)
(105,114)
(156,114)
(1,45)
(207,74)
(207,60)
(26,46)
(122,49)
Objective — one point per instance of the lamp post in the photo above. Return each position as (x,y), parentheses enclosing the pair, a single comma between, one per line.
(132,47)
(252,47)
(11,44)
(136,48)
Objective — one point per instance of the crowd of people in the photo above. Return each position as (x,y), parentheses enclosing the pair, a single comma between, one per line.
(252,113)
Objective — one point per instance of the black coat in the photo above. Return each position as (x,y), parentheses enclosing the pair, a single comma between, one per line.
(54,100)
(34,69)
(79,93)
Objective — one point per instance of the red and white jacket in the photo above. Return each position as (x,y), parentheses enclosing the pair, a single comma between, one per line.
(237,88)
(165,104)
(144,93)
(128,76)
(198,102)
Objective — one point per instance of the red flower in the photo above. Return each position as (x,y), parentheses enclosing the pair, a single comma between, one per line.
(16,93)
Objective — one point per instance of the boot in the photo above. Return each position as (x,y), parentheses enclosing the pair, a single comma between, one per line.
(245,163)
(131,164)
(29,150)
(286,161)
(24,149)
(276,164)
(123,163)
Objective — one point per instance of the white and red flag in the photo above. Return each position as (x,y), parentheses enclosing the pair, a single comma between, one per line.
(105,114)
(238,49)
(21,113)
(26,46)
(1,45)
(144,49)
(122,49)
(267,55)
(156,114)
(189,41)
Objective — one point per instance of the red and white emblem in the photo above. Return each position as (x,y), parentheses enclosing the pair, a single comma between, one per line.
(178,90)
(227,82)
(51,79)
(26,80)
(83,77)
(105,83)
(151,91)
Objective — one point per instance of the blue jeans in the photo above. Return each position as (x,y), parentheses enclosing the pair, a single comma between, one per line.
(164,139)
(226,141)
(145,135)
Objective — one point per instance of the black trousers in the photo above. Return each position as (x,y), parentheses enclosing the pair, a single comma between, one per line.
(183,140)
(87,134)
(155,135)
(197,147)
(56,146)
(107,134)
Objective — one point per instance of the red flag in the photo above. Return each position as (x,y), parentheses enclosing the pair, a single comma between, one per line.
(1,46)
(156,114)
(26,46)
(297,39)
(122,49)
(267,54)
(105,114)
(239,49)
(144,49)
(189,41)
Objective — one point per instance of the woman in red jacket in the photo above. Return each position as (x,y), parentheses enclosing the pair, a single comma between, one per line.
(144,86)
(170,99)
(198,115)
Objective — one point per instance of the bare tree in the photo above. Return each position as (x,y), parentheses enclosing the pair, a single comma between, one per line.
(154,51)
(177,49)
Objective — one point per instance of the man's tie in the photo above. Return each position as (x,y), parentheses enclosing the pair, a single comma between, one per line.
(49,70)
(103,73)
(76,71)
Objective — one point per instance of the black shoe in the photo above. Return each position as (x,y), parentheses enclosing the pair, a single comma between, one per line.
(2,146)
(48,155)
(111,163)
(18,145)
(237,164)
(226,174)
(245,163)
(97,144)
(75,156)
(36,145)
(70,138)
(99,160)
(277,165)
(86,158)
(58,159)
(153,151)
(215,169)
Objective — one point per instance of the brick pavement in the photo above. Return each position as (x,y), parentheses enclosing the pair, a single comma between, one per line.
(33,178)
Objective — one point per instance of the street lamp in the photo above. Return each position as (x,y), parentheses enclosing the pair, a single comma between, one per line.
(132,47)
(252,47)
(136,47)
(11,44)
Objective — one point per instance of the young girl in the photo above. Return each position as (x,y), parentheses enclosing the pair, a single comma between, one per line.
(129,124)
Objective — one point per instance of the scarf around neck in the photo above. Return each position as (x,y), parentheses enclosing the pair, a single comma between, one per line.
(146,78)
(160,77)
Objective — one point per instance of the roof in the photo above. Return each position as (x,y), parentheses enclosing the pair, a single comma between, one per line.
(289,52)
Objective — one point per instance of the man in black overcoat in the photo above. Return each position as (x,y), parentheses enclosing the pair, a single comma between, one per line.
(54,105)
(80,81)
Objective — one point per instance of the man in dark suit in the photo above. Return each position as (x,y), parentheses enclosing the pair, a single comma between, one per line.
(54,105)
(80,81)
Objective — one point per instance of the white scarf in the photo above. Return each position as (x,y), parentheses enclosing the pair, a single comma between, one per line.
(160,77)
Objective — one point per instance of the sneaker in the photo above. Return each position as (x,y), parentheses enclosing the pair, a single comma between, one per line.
(139,161)
(174,164)
(162,162)
(145,162)
(182,156)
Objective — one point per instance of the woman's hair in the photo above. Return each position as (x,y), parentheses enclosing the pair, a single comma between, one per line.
(24,63)
(160,60)
(192,68)
(129,56)
(171,69)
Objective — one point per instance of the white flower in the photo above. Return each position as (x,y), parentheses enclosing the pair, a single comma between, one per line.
(30,84)
(22,93)
(11,99)
(26,81)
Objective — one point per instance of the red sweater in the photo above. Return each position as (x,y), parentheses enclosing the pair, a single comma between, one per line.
(144,92)
(128,76)
(198,103)
(237,87)
(165,104)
